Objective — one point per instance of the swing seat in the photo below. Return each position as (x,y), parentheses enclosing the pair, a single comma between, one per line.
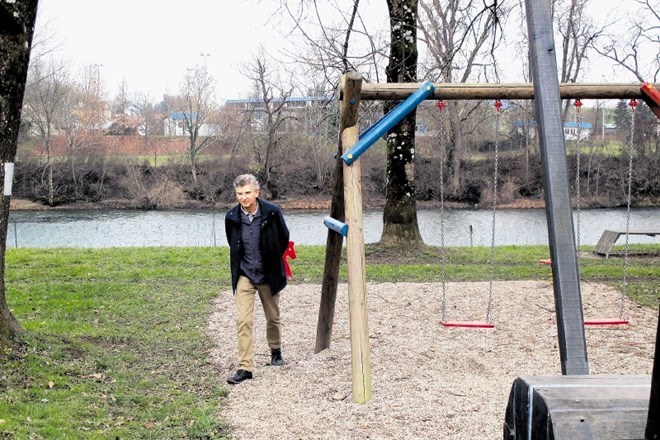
(468,324)
(606,321)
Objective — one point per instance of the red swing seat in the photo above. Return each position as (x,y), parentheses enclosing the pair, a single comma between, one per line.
(606,321)
(468,324)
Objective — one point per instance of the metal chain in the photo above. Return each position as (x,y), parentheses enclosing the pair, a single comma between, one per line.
(624,289)
(578,120)
(498,116)
(443,251)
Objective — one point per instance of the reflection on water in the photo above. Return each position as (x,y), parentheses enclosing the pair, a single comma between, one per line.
(120,228)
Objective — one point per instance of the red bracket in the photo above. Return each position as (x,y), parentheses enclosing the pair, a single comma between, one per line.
(651,97)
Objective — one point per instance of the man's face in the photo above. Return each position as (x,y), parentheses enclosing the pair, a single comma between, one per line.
(247,197)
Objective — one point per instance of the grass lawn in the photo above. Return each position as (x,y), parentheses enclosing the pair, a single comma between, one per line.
(116,343)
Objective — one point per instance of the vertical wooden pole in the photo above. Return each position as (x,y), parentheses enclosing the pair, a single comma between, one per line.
(347,120)
(653,420)
(547,103)
(357,297)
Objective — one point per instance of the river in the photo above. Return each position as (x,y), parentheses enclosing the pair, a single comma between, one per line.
(463,227)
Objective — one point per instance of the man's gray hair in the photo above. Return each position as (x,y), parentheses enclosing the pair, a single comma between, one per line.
(246,179)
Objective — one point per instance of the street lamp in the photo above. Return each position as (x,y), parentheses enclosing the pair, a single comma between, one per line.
(99,106)
(98,77)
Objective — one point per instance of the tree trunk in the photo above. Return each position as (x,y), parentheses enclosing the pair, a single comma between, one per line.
(400,215)
(15,42)
(193,151)
(49,164)
(9,326)
(193,165)
(527,158)
(72,165)
(74,178)
(104,171)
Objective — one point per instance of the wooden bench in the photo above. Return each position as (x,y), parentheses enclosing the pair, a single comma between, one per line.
(607,240)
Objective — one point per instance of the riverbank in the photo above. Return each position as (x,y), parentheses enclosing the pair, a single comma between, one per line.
(309,204)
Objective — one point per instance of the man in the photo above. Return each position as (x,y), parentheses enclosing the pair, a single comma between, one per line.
(257,237)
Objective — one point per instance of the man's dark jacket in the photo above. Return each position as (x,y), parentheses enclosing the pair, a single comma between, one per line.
(274,241)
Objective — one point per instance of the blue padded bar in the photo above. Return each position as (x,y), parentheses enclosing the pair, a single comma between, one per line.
(376,131)
(336,225)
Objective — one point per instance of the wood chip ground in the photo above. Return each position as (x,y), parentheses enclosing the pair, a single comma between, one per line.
(427,381)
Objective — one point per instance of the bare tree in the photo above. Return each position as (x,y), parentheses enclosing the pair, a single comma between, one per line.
(45,42)
(44,96)
(319,127)
(268,116)
(577,35)
(124,121)
(148,126)
(18,19)
(636,49)
(461,37)
(197,93)
(83,117)
(334,40)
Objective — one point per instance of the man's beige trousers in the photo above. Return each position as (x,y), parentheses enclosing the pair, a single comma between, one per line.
(245,291)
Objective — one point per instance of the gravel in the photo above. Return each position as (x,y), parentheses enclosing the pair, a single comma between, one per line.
(428,381)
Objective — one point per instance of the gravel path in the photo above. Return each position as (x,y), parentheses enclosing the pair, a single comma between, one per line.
(427,381)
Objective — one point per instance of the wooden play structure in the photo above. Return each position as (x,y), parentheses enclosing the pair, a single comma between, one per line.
(574,405)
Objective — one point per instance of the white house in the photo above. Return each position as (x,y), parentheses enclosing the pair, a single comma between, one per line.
(178,123)
(571,129)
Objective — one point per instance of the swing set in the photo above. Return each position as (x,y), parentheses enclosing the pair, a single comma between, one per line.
(346,210)
(345,219)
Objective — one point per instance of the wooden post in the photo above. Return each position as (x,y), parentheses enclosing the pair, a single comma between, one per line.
(652,422)
(561,237)
(357,289)
(347,122)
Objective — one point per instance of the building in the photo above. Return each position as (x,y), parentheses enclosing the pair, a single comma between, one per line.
(298,114)
(571,129)
(178,124)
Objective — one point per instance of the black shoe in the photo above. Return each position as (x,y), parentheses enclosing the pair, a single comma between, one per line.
(276,357)
(239,377)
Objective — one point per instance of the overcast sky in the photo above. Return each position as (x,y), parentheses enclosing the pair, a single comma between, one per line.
(151,43)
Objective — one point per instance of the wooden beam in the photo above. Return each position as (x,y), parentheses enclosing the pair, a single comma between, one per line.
(357,289)
(449,91)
